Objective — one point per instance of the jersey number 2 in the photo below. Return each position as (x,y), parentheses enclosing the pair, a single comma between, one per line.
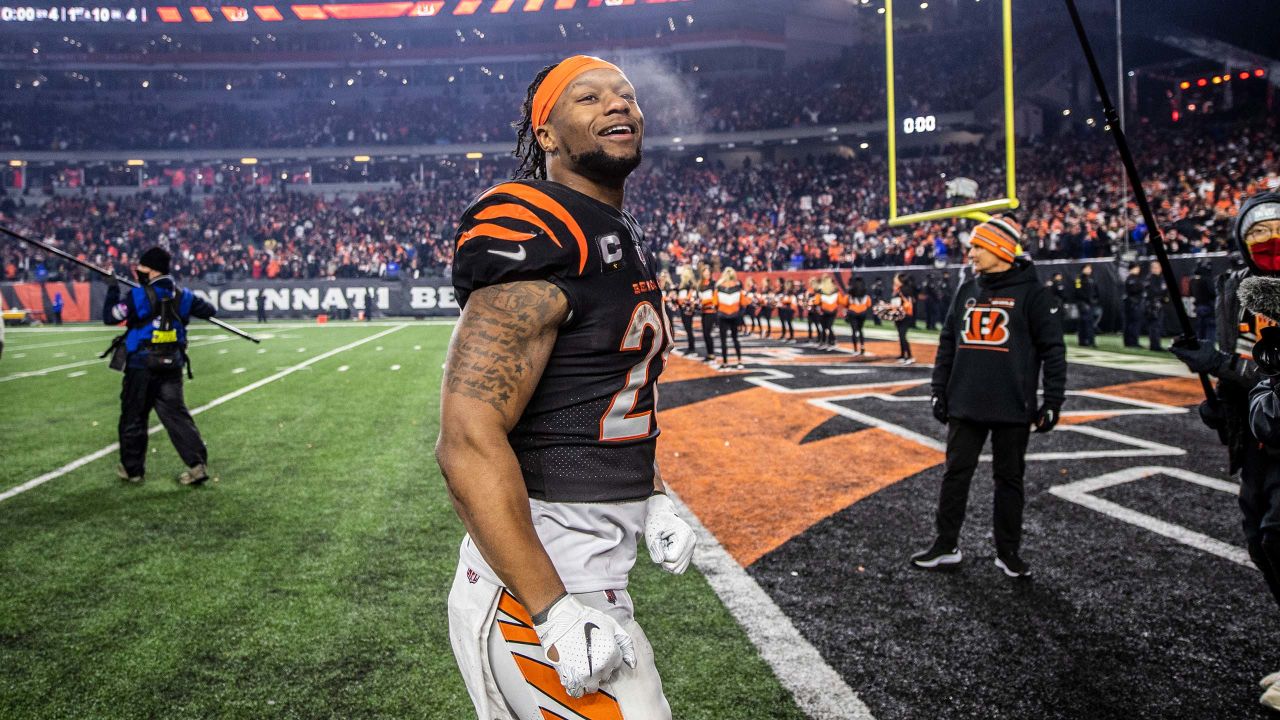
(621,421)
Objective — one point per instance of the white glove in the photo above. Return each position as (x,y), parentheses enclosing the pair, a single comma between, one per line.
(584,645)
(669,538)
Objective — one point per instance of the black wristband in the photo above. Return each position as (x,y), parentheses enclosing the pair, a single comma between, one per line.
(541,616)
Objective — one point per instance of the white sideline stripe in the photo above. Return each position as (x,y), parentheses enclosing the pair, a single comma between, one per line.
(76,374)
(1079,492)
(818,689)
(54,474)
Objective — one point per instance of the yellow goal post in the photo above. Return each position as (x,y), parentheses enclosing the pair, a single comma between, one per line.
(974,211)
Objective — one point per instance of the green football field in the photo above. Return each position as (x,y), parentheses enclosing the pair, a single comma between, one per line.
(309,579)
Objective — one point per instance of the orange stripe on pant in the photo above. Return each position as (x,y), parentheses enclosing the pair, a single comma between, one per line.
(594,706)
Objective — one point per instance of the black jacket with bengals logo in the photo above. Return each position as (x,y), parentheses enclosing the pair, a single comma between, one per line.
(589,432)
(1001,331)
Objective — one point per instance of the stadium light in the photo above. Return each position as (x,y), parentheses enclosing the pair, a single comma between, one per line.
(1259,73)
(361,158)
(1185,85)
(475,155)
(698,159)
(864,146)
(135,163)
(1201,82)
(1217,80)
(1244,75)
(249,161)
(16,163)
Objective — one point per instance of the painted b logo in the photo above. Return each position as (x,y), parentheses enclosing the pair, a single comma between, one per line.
(986,326)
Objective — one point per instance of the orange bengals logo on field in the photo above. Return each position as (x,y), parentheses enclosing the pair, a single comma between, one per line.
(986,326)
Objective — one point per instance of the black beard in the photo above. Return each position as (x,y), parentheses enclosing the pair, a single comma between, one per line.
(603,168)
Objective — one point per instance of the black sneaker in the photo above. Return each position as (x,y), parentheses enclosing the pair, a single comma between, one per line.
(940,554)
(1012,565)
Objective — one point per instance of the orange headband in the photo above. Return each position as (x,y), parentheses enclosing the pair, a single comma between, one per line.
(553,86)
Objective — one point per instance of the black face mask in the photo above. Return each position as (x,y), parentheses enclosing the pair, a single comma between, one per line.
(143,278)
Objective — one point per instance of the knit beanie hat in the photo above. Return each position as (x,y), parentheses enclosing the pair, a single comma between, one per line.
(156,258)
(1000,235)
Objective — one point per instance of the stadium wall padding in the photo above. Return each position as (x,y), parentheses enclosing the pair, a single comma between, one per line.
(80,303)
(283,298)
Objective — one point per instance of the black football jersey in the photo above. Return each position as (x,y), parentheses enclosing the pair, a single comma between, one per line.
(590,430)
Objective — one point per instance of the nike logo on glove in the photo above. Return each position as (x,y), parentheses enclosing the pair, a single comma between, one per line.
(516,255)
(587,629)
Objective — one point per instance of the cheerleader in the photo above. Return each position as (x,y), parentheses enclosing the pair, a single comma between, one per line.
(707,304)
(811,311)
(788,301)
(686,302)
(769,303)
(729,309)
(829,301)
(858,306)
(750,303)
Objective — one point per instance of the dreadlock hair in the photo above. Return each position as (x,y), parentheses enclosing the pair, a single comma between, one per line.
(533,160)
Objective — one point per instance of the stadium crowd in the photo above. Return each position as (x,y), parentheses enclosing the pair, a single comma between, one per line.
(821,93)
(815,212)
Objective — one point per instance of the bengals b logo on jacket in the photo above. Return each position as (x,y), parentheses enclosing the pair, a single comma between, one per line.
(986,326)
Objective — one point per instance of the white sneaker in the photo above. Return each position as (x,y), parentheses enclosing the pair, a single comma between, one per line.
(909,361)
(1271,698)
(1269,680)
(741,366)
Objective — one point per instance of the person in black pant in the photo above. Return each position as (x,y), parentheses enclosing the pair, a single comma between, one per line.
(687,299)
(1089,305)
(1157,295)
(977,392)
(1204,296)
(1134,294)
(261,307)
(903,293)
(1241,317)
(729,308)
(707,303)
(156,315)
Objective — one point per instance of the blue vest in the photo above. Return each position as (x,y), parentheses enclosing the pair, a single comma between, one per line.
(139,338)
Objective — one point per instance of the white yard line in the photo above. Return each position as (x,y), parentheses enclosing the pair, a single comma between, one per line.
(46,371)
(20,346)
(80,462)
(1080,492)
(82,363)
(817,688)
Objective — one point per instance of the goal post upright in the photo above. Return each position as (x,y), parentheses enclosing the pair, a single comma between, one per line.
(974,211)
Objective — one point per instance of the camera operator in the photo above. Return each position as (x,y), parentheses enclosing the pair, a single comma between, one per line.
(1243,421)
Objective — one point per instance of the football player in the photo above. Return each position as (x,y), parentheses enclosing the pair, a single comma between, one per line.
(548,416)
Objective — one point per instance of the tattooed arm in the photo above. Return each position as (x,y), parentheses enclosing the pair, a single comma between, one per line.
(496,358)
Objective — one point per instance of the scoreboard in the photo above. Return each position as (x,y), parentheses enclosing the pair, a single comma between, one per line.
(224,13)
(71,14)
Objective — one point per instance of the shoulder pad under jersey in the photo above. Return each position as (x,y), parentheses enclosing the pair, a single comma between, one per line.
(516,231)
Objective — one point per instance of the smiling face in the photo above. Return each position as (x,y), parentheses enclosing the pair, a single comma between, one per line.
(596,128)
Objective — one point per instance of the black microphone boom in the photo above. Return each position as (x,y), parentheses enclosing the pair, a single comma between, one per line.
(1156,236)
(106,273)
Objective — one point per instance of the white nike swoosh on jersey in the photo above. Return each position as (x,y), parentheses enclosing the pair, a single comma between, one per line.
(516,255)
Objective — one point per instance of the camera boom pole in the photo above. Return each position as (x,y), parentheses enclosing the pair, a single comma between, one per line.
(1140,197)
(68,256)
